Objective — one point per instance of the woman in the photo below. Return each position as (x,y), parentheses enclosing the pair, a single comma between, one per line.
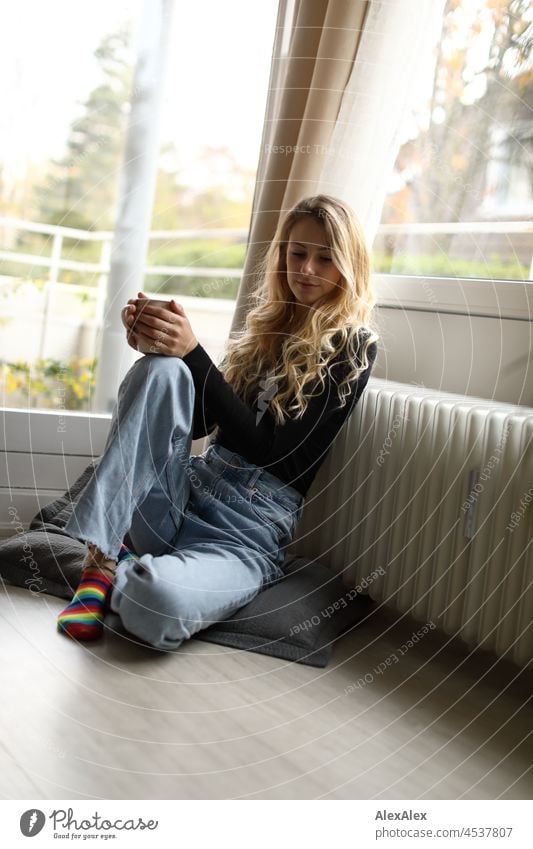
(209,531)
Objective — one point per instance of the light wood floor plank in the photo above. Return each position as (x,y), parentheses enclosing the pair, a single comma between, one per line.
(119,720)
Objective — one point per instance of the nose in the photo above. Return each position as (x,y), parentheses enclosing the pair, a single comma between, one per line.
(308,267)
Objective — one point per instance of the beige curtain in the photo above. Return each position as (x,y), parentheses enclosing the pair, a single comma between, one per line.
(314,51)
(395,58)
(344,74)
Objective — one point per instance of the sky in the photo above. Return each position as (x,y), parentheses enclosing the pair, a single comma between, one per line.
(217,79)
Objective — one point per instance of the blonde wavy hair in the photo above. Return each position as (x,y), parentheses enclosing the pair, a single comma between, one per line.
(284,355)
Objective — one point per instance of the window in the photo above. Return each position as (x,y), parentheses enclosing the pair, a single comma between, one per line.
(460,200)
(65,111)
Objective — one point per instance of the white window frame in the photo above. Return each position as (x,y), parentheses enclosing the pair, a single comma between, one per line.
(466,296)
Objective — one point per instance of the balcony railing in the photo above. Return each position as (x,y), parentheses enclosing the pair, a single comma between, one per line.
(56,263)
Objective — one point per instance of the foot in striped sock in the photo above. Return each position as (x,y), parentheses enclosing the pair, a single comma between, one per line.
(83,619)
(126,554)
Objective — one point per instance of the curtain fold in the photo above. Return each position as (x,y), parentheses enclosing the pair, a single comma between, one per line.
(394,50)
(314,51)
(343,75)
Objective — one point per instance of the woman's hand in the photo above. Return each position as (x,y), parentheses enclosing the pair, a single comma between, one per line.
(167,331)
(127,316)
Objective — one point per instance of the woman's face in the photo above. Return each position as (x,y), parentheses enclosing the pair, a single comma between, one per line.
(311,273)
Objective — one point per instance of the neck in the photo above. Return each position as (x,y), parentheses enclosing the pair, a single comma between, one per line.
(300,317)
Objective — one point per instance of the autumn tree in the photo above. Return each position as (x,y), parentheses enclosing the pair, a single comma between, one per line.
(483,78)
(81,187)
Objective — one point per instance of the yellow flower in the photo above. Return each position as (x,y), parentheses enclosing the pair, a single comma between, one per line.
(11,383)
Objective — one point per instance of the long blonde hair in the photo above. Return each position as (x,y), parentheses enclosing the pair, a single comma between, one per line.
(284,355)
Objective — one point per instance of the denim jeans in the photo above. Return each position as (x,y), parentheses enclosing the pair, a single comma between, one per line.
(210,529)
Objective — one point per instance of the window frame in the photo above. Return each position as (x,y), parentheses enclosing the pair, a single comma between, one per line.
(466,296)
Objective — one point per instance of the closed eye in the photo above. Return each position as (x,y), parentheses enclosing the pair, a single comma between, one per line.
(301,253)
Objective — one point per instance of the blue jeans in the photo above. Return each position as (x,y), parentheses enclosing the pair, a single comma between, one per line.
(210,529)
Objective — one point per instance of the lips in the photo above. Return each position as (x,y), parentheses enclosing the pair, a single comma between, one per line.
(307,285)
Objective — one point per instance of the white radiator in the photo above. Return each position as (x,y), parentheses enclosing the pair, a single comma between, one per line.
(426,502)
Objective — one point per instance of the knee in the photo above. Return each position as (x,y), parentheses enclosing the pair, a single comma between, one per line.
(152,609)
(157,365)
(164,374)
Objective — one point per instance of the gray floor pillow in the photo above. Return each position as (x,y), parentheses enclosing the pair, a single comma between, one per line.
(44,558)
(43,561)
(296,618)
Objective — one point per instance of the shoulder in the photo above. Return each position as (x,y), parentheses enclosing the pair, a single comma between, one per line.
(363,343)
(352,351)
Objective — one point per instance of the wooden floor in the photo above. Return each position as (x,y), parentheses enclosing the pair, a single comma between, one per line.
(115,720)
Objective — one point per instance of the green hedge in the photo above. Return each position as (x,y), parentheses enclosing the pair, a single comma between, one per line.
(205,253)
(438,265)
(208,253)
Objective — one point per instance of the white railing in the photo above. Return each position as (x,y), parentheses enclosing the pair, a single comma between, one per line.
(56,263)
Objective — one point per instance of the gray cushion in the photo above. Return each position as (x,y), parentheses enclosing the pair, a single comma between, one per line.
(45,558)
(43,562)
(296,618)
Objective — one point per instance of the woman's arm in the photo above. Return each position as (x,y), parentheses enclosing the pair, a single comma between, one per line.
(203,423)
(262,441)
(259,437)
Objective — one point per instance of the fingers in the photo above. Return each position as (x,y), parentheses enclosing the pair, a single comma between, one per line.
(125,318)
(158,325)
(157,341)
(147,308)
(132,338)
(164,322)
(150,309)
(161,317)
(128,312)
(177,307)
(131,304)
(151,332)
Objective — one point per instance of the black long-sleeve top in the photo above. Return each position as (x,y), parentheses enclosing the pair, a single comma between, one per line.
(294,450)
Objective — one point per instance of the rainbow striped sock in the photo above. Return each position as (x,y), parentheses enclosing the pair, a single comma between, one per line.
(126,553)
(83,619)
